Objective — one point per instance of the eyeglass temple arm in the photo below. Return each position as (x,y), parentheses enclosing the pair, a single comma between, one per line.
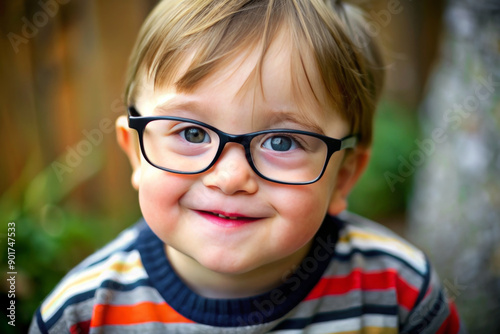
(133,112)
(348,142)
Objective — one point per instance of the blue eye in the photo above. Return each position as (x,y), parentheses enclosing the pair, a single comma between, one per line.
(195,135)
(280,143)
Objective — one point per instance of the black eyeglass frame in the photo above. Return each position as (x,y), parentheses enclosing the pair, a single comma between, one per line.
(138,123)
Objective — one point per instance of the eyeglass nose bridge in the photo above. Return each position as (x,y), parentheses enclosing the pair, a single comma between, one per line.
(244,140)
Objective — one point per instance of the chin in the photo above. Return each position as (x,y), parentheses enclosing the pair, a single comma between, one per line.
(226,266)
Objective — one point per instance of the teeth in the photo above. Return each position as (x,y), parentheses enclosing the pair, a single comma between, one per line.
(222,216)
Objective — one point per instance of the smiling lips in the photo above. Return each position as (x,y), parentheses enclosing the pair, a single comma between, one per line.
(227,219)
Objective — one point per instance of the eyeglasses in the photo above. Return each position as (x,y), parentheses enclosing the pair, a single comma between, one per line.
(186,146)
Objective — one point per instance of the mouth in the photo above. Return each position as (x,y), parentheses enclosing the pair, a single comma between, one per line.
(230,216)
(227,219)
(222,216)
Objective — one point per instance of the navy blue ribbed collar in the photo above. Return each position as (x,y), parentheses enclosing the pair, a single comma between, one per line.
(254,310)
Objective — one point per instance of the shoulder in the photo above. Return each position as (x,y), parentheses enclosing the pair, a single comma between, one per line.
(383,263)
(392,274)
(369,239)
(117,265)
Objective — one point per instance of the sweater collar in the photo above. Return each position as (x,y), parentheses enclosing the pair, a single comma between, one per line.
(255,310)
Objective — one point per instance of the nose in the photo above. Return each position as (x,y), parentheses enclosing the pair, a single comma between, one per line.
(232,174)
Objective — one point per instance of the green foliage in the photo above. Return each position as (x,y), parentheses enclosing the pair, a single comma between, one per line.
(46,248)
(51,237)
(395,131)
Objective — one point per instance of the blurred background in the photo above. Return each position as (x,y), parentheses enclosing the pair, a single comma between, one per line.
(433,178)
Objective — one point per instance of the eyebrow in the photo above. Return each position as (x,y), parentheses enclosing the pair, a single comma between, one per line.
(171,105)
(276,117)
(297,118)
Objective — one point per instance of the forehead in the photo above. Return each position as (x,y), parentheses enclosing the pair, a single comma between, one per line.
(279,85)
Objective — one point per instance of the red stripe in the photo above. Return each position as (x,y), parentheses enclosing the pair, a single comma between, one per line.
(135,314)
(358,280)
(80,327)
(452,322)
(407,294)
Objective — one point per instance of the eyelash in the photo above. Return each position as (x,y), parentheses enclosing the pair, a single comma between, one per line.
(182,133)
(295,140)
(181,128)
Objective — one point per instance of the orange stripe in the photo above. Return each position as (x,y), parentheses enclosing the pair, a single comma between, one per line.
(135,314)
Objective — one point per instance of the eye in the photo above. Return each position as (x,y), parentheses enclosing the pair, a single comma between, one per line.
(280,143)
(195,135)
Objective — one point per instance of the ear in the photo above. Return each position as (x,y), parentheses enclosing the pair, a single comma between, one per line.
(351,169)
(127,139)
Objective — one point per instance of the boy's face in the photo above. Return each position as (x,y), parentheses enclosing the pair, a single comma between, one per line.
(280,219)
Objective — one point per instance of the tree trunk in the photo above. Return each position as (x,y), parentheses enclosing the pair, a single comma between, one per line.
(455,211)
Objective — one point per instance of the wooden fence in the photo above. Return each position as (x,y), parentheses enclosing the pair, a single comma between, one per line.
(62,68)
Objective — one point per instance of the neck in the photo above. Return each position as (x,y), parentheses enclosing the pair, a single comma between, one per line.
(211,284)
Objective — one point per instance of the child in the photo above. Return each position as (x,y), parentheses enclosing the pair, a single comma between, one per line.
(249,123)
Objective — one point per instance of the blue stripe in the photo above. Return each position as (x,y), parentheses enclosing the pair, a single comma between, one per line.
(430,317)
(106,284)
(377,253)
(116,286)
(427,281)
(73,300)
(40,323)
(353,312)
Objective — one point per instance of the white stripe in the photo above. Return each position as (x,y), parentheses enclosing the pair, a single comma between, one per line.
(102,272)
(416,259)
(123,240)
(346,325)
(399,246)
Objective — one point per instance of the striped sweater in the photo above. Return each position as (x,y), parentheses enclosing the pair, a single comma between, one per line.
(358,277)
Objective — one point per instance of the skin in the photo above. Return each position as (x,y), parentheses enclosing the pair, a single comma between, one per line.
(224,260)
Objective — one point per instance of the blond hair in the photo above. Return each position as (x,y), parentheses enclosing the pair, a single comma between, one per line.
(346,58)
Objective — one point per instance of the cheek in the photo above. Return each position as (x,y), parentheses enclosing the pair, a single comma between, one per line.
(302,205)
(309,202)
(302,209)
(301,212)
(159,195)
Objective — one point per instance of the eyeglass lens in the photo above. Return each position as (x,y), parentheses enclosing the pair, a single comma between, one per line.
(189,148)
